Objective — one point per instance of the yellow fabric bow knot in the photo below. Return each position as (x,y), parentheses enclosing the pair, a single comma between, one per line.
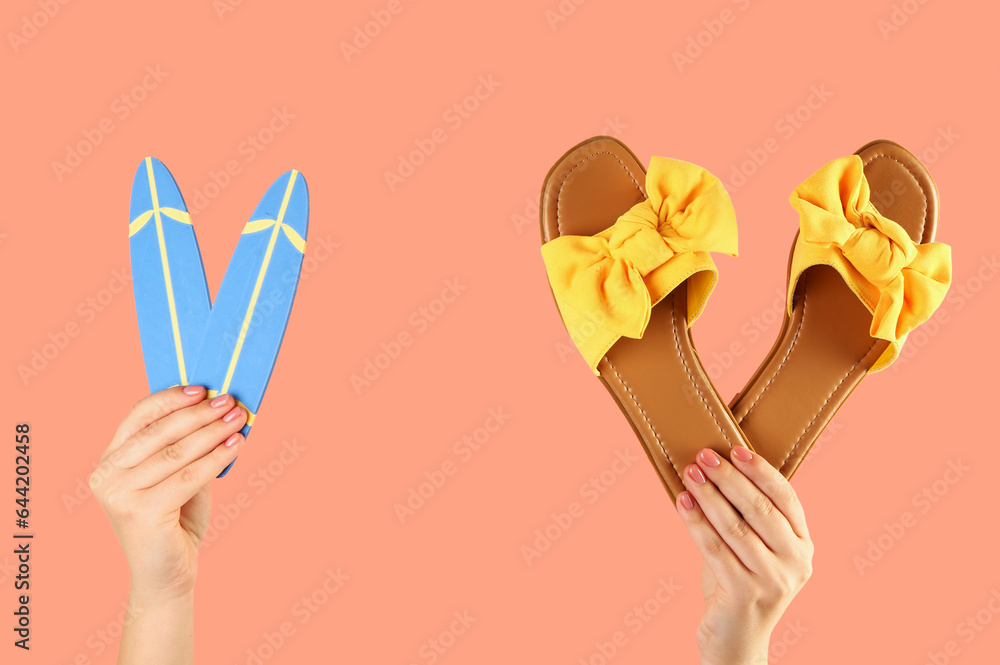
(607,284)
(901,282)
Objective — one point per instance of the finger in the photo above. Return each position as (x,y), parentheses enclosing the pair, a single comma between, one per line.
(777,488)
(753,505)
(151,408)
(185,483)
(732,528)
(175,456)
(172,428)
(718,556)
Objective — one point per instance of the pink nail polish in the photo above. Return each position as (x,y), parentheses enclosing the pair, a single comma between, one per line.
(742,454)
(233,438)
(696,475)
(686,501)
(219,401)
(192,390)
(709,458)
(231,416)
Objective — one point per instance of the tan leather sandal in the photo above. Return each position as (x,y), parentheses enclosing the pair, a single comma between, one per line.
(863,273)
(616,286)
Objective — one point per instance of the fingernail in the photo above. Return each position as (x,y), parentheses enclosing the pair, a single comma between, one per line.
(696,475)
(231,416)
(686,501)
(742,454)
(219,401)
(709,458)
(192,390)
(233,438)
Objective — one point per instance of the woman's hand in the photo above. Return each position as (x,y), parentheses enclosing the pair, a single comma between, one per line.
(153,484)
(750,528)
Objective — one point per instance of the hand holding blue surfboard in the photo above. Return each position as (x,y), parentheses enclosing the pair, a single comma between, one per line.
(229,346)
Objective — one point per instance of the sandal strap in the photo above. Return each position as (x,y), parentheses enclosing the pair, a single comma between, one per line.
(901,283)
(607,284)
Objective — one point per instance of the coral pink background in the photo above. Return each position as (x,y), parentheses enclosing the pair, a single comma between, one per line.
(467,213)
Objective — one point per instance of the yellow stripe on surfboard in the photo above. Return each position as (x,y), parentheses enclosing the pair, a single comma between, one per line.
(155,212)
(277,225)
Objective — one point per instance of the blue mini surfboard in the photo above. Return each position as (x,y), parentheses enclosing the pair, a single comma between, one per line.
(248,319)
(229,346)
(168,278)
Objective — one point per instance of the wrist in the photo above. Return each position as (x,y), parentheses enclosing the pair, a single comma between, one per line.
(748,655)
(158,627)
(751,660)
(142,594)
(156,586)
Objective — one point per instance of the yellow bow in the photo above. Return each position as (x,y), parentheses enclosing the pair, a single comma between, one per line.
(901,283)
(607,284)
